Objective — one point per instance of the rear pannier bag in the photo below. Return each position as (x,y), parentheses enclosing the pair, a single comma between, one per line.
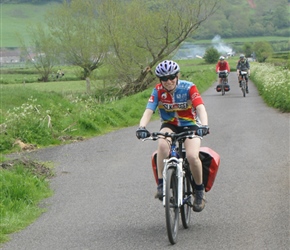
(219,88)
(210,164)
(227,87)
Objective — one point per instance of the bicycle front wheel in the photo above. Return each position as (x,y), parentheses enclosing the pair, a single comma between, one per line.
(171,205)
(185,209)
(244,88)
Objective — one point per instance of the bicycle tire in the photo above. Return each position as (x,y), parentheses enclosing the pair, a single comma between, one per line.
(185,209)
(223,86)
(244,88)
(171,205)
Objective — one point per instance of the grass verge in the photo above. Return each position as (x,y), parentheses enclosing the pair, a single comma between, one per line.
(23,184)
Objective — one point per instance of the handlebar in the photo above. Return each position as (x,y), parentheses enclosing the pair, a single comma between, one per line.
(174,136)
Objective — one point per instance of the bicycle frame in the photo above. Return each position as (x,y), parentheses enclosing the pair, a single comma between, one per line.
(243,75)
(223,75)
(175,159)
(174,199)
(177,163)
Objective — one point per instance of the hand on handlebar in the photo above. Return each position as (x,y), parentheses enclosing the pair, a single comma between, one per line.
(202,131)
(142,133)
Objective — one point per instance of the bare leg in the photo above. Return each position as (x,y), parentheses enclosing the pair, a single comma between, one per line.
(192,154)
(162,152)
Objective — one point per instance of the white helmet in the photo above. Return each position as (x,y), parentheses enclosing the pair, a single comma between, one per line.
(222,58)
(167,68)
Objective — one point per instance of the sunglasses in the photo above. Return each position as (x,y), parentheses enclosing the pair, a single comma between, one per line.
(166,78)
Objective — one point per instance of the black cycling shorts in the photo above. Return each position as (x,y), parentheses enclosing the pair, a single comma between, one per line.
(177,129)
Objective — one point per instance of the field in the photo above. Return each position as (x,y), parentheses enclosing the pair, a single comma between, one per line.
(16,18)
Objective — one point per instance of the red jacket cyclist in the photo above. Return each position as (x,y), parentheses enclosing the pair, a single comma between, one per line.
(222,65)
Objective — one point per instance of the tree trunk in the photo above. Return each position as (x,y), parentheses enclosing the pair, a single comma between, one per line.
(140,84)
(88,85)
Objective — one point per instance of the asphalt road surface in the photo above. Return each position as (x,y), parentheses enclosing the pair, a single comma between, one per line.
(104,187)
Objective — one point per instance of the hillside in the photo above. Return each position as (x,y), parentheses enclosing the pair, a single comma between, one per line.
(247,18)
(16,18)
(235,18)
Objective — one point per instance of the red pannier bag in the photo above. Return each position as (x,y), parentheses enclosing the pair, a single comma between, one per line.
(219,88)
(210,164)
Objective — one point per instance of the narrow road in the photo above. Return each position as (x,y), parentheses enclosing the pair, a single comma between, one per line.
(104,187)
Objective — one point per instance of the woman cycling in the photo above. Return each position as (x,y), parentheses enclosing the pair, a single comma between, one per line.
(179,104)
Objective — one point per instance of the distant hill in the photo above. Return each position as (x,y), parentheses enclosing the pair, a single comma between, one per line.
(235,18)
(15,18)
(248,18)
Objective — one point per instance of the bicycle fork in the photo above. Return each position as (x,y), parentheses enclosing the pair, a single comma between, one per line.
(173,162)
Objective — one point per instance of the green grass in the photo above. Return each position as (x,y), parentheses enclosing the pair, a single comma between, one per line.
(15,18)
(273,84)
(43,113)
(21,190)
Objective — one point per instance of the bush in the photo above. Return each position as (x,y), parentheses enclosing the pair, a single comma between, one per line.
(211,55)
(263,50)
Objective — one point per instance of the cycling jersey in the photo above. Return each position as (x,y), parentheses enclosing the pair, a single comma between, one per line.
(177,108)
(243,66)
(222,66)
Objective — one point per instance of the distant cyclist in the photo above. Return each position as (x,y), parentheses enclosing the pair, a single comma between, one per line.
(179,104)
(222,65)
(243,65)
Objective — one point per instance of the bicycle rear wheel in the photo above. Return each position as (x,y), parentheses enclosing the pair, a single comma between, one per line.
(223,87)
(185,209)
(171,205)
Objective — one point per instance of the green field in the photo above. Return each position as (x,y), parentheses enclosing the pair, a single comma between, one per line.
(16,18)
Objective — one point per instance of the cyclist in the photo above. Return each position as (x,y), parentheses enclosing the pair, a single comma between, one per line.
(243,65)
(221,66)
(179,103)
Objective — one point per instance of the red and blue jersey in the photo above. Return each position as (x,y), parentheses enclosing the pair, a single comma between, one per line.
(177,108)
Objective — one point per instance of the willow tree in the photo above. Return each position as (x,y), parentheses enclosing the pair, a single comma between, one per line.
(142,33)
(77,36)
(40,50)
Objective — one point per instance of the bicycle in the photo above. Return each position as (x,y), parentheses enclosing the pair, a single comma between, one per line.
(243,82)
(178,183)
(224,86)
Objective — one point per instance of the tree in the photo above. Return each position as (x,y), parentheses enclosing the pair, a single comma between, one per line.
(145,32)
(247,49)
(76,32)
(263,50)
(211,55)
(41,51)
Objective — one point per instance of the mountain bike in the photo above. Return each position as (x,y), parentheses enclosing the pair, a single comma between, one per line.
(178,184)
(243,82)
(224,86)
